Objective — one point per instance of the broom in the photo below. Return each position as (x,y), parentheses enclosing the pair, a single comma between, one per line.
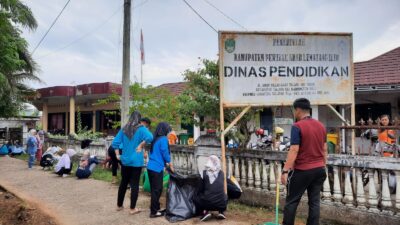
(276,206)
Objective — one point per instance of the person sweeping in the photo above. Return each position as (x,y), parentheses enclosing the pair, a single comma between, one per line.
(305,164)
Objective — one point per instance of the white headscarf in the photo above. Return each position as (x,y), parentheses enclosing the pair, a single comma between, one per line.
(32,133)
(213,166)
(70,152)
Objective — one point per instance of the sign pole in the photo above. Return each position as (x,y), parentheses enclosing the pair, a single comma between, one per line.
(223,157)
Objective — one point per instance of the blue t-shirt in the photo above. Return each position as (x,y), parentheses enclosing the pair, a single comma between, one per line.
(129,155)
(159,156)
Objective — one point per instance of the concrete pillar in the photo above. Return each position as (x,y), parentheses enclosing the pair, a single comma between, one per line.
(45,117)
(372,195)
(72,115)
(361,201)
(24,134)
(348,192)
(66,123)
(94,121)
(326,193)
(337,194)
(314,109)
(196,129)
(265,169)
(257,175)
(250,175)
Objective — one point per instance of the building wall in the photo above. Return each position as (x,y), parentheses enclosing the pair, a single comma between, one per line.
(82,107)
(25,124)
(380,97)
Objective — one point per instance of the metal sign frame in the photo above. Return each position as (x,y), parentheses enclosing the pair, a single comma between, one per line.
(247,107)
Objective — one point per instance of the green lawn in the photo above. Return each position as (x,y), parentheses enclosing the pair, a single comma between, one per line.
(22,157)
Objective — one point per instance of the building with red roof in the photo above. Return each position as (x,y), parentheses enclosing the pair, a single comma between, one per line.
(57,102)
(377,86)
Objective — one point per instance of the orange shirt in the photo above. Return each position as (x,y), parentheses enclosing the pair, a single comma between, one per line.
(172,138)
(384,136)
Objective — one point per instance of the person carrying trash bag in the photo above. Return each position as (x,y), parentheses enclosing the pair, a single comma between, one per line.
(159,159)
(211,195)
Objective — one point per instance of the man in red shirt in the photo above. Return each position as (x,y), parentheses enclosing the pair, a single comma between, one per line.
(305,164)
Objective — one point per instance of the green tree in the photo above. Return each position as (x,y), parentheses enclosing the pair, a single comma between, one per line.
(16,63)
(158,104)
(201,98)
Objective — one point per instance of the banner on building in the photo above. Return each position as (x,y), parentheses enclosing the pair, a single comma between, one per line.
(262,69)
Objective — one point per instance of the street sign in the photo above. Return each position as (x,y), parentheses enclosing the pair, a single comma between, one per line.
(271,69)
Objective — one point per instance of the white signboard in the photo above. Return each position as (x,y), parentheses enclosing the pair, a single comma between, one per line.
(276,68)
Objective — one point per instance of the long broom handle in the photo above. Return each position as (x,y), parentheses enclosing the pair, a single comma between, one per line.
(277,201)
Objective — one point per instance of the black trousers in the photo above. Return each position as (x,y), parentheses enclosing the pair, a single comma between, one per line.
(131,176)
(298,182)
(114,161)
(63,171)
(156,188)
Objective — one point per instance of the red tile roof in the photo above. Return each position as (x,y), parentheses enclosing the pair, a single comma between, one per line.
(84,89)
(175,88)
(381,70)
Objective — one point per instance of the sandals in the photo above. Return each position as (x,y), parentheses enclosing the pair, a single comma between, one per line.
(135,211)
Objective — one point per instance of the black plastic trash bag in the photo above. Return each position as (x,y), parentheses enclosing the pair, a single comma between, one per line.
(181,190)
(234,190)
(47,160)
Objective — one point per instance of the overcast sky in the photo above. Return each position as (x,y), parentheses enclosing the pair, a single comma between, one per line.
(85,45)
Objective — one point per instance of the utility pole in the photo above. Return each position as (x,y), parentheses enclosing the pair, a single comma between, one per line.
(126,63)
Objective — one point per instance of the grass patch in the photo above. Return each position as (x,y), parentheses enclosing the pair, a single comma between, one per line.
(259,212)
(22,157)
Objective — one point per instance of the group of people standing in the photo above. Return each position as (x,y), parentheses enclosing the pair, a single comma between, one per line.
(128,149)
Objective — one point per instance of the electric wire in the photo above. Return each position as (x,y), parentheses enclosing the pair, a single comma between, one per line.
(199,15)
(220,11)
(83,36)
(91,31)
(52,24)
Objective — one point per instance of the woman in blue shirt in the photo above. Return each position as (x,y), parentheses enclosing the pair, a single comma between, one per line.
(131,138)
(159,158)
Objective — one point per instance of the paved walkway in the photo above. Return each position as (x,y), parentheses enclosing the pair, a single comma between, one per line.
(72,201)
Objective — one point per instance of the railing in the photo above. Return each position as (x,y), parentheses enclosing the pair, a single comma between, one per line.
(183,159)
(96,148)
(368,143)
(365,185)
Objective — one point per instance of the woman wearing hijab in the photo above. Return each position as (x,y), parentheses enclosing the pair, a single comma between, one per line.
(132,137)
(31,144)
(64,165)
(211,195)
(159,158)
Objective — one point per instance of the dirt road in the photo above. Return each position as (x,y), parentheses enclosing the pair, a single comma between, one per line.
(71,201)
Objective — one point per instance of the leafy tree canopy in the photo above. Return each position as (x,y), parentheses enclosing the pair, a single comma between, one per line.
(16,64)
(201,98)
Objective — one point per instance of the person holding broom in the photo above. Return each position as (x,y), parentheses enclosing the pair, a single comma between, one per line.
(305,164)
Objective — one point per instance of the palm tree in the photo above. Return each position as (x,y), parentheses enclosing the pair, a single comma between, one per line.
(16,64)
(18,13)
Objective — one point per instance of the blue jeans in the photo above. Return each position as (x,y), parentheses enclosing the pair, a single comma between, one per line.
(31,160)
